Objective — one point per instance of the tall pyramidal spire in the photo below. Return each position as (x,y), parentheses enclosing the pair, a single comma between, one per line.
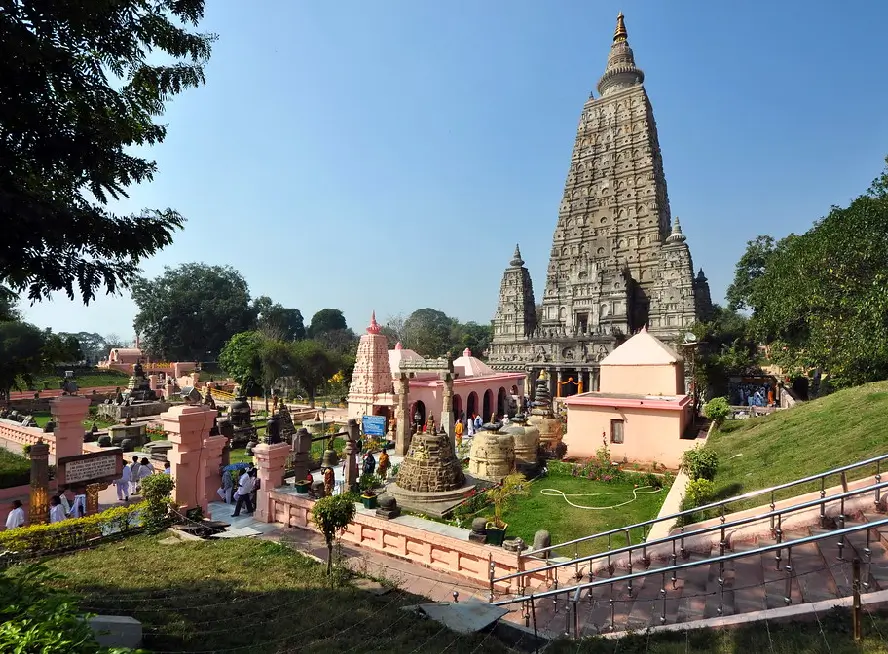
(621,71)
(517,261)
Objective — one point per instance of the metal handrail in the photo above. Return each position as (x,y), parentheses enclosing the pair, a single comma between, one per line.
(724,526)
(693,564)
(719,503)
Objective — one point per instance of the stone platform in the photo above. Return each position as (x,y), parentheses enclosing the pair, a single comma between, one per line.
(435,504)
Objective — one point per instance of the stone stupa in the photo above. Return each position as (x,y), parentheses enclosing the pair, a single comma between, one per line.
(542,417)
(430,479)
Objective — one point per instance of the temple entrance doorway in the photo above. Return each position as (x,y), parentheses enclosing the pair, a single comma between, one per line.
(418,413)
(488,405)
(458,408)
(502,403)
(472,405)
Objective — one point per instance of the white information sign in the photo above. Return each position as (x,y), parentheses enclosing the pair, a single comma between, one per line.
(92,468)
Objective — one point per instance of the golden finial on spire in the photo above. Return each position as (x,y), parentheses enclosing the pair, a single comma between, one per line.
(620,33)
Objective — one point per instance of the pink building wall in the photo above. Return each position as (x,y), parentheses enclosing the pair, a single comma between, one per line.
(647,379)
(650,433)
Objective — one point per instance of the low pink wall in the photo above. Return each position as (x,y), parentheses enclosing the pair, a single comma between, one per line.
(444,553)
(26,435)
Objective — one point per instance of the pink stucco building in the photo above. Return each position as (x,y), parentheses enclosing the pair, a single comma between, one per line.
(477,388)
(640,410)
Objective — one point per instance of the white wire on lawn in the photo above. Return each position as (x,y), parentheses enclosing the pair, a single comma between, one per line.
(635,493)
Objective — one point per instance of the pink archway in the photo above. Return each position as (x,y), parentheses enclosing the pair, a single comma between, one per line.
(472,404)
(488,405)
(457,407)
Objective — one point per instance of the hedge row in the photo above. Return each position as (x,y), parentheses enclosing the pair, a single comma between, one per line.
(15,470)
(72,533)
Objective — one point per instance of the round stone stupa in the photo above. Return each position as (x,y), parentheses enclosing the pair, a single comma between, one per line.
(527,445)
(430,479)
(492,456)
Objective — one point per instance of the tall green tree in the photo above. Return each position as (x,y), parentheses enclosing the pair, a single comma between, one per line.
(59,349)
(81,84)
(274,319)
(8,308)
(748,271)
(241,360)
(428,332)
(313,365)
(470,335)
(823,296)
(326,320)
(21,354)
(189,312)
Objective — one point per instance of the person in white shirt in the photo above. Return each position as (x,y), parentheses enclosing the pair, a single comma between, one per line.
(123,484)
(56,510)
(145,470)
(78,509)
(63,498)
(16,517)
(244,489)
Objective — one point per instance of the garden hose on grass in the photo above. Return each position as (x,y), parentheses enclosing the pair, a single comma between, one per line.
(635,493)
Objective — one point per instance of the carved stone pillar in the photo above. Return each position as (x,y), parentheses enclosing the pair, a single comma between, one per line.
(189,428)
(402,420)
(92,497)
(69,412)
(447,422)
(38,508)
(270,463)
(301,453)
(351,451)
(558,383)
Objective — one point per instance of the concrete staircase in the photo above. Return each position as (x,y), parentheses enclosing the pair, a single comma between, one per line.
(804,573)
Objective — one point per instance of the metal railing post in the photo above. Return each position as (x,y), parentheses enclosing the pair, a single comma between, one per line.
(878,478)
(855,602)
(491,567)
(779,535)
(787,594)
(663,595)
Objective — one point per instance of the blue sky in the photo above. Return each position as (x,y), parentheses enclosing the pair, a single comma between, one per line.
(388,155)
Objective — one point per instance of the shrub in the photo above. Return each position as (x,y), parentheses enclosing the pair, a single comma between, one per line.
(698,493)
(601,468)
(367,482)
(700,463)
(717,409)
(156,491)
(37,617)
(504,495)
(72,533)
(332,515)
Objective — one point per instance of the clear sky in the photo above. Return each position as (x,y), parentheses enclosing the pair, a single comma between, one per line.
(388,155)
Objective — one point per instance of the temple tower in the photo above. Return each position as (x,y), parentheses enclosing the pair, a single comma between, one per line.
(617,262)
(370,392)
(516,313)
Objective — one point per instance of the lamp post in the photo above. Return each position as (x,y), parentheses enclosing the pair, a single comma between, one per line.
(324,416)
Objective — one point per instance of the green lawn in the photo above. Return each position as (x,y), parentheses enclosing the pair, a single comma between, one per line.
(43,417)
(90,379)
(15,470)
(258,595)
(831,634)
(813,437)
(565,522)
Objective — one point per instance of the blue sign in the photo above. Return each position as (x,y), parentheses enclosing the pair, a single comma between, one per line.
(374,425)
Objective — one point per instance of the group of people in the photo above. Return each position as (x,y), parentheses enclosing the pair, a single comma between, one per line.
(60,508)
(130,482)
(245,494)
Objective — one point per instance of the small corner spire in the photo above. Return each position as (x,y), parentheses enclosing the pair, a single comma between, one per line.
(374,327)
(620,33)
(677,236)
(517,261)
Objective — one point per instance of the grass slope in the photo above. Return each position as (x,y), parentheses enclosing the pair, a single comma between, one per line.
(814,437)
(89,379)
(245,593)
(565,522)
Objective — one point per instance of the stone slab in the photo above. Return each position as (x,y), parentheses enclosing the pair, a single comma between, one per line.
(461,617)
(117,631)
(237,532)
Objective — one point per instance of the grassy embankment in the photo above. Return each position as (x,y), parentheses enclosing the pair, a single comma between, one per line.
(814,437)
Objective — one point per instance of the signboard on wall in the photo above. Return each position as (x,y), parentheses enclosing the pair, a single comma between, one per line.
(91,468)
(373,425)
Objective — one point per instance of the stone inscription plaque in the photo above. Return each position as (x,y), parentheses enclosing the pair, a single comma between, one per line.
(98,467)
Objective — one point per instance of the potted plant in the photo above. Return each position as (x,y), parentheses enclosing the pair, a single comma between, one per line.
(367,484)
(302,486)
(503,496)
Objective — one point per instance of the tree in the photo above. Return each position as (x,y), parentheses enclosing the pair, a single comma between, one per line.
(240,359)
(21,354)
(725,349)
(113,340)
(393,329)
(333,514)
(79,92)
(822,298)
(58,349)
(470,335)
(8,308)
(189,312)
(273,319)
(326,320)
(93,346)
(312,366)
(748,272)
(428,332)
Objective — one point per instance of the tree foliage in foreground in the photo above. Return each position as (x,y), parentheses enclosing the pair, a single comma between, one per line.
(821,298)
(78,92)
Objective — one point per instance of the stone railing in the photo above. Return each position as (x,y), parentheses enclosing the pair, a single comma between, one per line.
(16,433)
(788,398)
(437,551)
